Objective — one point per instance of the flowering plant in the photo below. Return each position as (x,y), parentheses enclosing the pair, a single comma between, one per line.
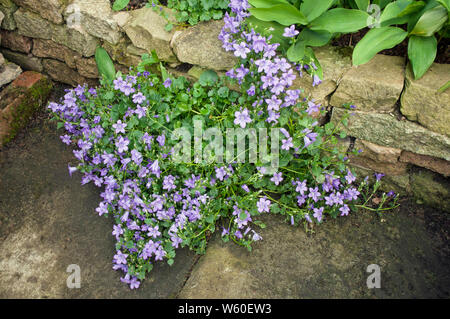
(126,142)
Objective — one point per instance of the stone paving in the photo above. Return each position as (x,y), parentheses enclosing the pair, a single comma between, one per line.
(48,221)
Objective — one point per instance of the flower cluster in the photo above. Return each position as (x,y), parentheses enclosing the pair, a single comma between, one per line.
(122,134)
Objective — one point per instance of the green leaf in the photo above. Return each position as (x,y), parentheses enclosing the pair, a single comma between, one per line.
(431,21)
(208,77)
(391,14)
(445,4)
(296,51)
(164,72)
(284,14)
(421,53)
(314,38)
(362,4)
(266,3)
(105,65)
(341,20)
(120,4)
(376,40)
(444,87)
(313,8)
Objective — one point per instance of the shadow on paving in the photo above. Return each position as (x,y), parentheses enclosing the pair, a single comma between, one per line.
(410,245)
(48,221)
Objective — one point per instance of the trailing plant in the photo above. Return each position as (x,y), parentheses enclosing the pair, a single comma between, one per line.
(127,137)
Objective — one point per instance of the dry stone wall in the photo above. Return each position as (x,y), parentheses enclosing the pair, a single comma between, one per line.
(400,124)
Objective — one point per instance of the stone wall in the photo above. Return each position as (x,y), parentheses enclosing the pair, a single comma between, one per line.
(400,124)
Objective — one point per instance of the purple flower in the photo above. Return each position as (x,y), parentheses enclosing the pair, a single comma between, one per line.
(167,83)
(66,139)
(350,178)
(263,205)
(290,32)
(71,170)
(318,213)
(245,188)
(221,173)
(161,140)
(277,178)
(241,50)
(378,176)
(138,98)
(301,187)
(119,127)
(316,80)
(242,118)
(314,193)
(344,210)
(287,144)
(122,144)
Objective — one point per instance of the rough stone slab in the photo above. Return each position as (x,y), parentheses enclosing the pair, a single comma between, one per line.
(199,45)
(435,164)
(7,7)
(146,30)
(87,68)
(374,86)
(120,54)
(15,42)
(76,38)
(48,222)
(335,63)
(25,61)
(386,130)
(60,72)
(392,169)
(48,9)
(96,18)
(2,15)
(421,102)
(2,60)
(8,73)
(50,49)
(377,152)
(431,188)
(331,263)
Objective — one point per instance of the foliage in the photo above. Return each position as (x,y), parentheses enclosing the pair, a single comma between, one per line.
(124,133)
(321,21)
(424,20)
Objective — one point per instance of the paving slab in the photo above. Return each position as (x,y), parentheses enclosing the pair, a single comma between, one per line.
(410,246)
(48,221)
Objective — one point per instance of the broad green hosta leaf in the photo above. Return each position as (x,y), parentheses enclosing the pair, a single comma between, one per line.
(314,38)
(445,3)
(120,4)
(382,3)
(421,53)
(105,65)
(296,52)
(376,40)
(266,3)
(284,14)
(313,8)
(341,20)
(431,21)
(362,4)
(414,7)
(391,14)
